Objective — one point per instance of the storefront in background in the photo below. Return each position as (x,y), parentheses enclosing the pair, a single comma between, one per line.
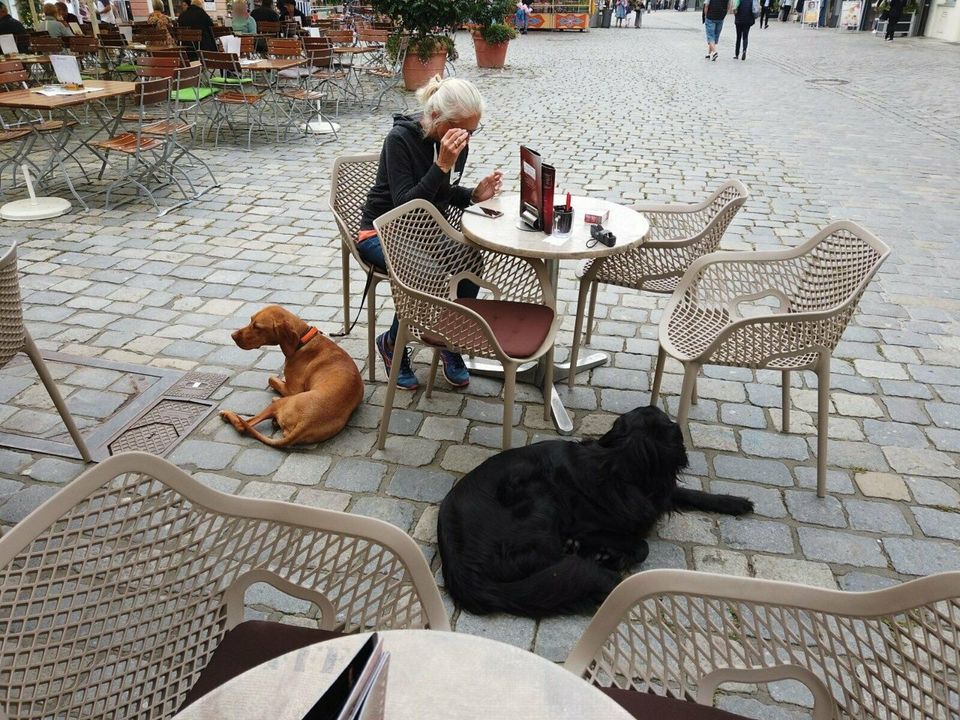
(943,20)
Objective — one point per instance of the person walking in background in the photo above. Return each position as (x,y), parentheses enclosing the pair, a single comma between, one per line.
(896,10)
(744,18)
(620,11)
(714,11)
(521,17)
(765,7)
(638,13)
(784,10)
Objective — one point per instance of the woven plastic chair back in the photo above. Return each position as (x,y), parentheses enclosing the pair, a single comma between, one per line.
(11,308)
(812,292)
(115,593)
(678,236)
(353,176)
(893,654)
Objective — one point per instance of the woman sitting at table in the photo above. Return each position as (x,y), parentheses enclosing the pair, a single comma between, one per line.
(196,17)
(241,22)
(423,157)
(51,25)
(158,18)
(65,16)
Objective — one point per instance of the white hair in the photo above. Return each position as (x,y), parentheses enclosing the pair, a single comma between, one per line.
(448,99)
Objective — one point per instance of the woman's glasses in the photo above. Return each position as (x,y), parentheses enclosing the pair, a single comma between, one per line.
(477,129)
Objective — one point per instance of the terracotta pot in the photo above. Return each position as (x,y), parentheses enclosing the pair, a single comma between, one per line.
(489,56)
(416,72)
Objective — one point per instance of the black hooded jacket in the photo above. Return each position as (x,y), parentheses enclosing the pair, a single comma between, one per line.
(407,172)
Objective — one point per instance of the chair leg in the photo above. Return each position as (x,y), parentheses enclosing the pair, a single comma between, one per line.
(398,349)
(577,330)
(690,372)
(33,352)
(823,421)
(785,400)
(345,283)
(590,313)
(434,364)
(548,385)
(658,376)
(509,386)
(693,393)
(371,330)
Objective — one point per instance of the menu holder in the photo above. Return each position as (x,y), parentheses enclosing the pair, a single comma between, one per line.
(75,27)
(548,177)
(8,45)
(359,691)
(230,44)
(531,199)
(67,70)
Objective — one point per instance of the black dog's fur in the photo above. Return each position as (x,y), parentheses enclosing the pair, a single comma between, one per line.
(550,528)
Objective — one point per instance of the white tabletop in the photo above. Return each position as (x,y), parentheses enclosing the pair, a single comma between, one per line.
(502,234)
(432,676)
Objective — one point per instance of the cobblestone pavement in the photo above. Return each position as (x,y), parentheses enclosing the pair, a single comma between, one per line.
(819,124)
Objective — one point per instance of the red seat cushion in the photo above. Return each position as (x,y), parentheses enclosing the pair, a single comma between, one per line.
(519,327)
(250,644)
(647,706)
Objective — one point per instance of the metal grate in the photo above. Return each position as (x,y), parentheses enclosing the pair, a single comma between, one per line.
(197,385)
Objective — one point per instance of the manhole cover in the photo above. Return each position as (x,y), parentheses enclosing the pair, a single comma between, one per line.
(828,81)
(164,425)
(117,406)
(197,385)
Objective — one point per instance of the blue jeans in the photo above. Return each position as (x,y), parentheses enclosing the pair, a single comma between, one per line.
(372,252)
(713,28)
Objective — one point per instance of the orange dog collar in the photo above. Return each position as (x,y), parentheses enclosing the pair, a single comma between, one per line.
(307,337)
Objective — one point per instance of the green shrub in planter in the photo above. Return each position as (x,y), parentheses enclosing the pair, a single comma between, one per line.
(497,33)
(418,19)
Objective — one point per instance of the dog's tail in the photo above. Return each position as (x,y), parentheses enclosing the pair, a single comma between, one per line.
(281,441)
(688,499)
(574,584)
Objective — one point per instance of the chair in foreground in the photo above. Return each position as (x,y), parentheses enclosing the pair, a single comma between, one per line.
(665,640)
(14,338)
(427,258)
(679,234)
(123,595)
(783,310)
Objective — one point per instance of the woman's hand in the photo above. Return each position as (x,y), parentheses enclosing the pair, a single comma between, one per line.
(451,145)
(488,187)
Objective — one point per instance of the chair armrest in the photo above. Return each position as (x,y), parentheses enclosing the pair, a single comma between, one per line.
(824,706)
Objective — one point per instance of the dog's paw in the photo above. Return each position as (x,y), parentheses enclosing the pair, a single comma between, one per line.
(231,417)
(571,546)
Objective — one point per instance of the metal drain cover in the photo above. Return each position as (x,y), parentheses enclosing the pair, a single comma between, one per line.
(163,426)
(197,385)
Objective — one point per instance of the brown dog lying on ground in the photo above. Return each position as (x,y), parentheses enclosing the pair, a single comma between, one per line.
(321,384)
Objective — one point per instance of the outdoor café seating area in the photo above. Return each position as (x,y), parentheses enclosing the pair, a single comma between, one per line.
(667,382)
(142,113)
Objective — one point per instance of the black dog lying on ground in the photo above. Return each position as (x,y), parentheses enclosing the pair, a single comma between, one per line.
(550,528)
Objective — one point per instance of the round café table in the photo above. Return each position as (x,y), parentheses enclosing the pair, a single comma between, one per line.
(506,235)
(432,676)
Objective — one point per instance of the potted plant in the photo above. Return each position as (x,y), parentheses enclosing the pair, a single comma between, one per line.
(418,28)
(491,34)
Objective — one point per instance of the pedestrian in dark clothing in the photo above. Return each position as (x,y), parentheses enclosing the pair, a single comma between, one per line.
(744,18)
(784,10)
(896,10)
(765,7)
(291,12)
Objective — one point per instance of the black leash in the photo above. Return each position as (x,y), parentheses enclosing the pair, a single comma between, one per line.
(363,299)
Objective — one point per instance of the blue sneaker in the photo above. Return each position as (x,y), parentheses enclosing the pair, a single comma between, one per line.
(454,370)
(406,380)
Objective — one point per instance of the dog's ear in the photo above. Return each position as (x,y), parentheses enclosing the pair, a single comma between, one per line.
(287,338)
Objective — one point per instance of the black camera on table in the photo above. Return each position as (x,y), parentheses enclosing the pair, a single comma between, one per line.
(602,236)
